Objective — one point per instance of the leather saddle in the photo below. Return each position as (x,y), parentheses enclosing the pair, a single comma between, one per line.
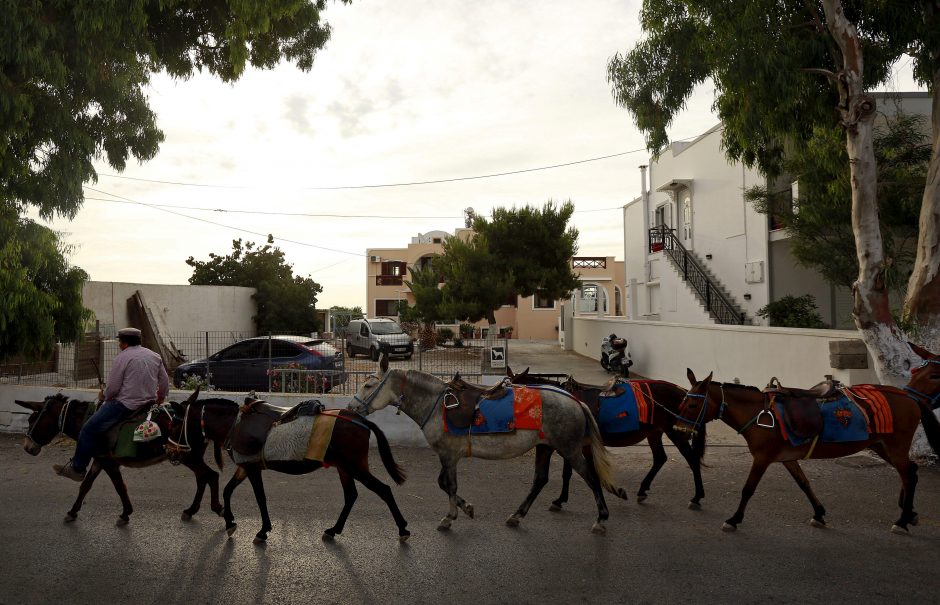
(801,411)
(462,397)
(591,394)
(256,418)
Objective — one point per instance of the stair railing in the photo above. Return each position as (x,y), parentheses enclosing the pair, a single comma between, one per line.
(663,239)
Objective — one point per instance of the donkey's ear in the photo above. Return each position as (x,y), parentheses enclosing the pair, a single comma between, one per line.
(509,373)
(195,395)
(920,351)
(708,378)
(32,405)
(177,407)
(691,376)
(383,363)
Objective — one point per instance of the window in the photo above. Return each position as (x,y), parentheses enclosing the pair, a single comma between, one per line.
(386,308)
(394,268)
(248,349)
(540,301)
(282,348)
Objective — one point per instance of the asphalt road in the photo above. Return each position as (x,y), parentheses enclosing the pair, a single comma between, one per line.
(655,552)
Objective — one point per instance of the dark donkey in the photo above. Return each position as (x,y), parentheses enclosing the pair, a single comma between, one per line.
(59,414)
(666,397)
(747,410)
(266,437)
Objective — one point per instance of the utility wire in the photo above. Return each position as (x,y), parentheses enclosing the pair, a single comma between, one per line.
(202,220)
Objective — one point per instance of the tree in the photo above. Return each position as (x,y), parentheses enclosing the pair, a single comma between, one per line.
(428,308)
(518,252)
(820,222)
(72,90)
(285,302)
(42,294)
(343,315)
(779,69)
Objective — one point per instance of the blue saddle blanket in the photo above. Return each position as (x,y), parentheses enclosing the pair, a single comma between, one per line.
(492,416)
(619,413)
(842,421)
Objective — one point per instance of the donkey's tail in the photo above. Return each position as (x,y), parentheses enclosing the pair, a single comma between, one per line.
(396,472)
(931,426)
(600,455)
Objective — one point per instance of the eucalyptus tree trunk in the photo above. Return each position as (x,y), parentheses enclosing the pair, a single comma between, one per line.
(872,309)
(922,303)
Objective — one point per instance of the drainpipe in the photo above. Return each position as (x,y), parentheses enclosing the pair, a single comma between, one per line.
(645,194)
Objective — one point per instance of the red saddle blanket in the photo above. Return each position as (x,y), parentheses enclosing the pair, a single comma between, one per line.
(871,398)
(520,408)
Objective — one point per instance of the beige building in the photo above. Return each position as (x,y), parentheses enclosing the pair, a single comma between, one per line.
(531,317)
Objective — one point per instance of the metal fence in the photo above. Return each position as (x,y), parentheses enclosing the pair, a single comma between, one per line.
(237,362)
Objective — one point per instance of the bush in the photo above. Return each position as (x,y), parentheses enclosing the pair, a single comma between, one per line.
(443,335)
(793,312)
(466,330)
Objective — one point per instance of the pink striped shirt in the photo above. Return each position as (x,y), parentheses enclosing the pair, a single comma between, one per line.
(137,377)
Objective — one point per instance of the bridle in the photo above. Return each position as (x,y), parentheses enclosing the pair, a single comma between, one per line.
(915,394)
(367,402)
(181,447)
(62,417)
(692,426)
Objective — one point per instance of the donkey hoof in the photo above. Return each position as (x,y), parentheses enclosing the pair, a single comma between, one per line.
(186,516)
(122,521)
(260,540)
(641,497)
(230,529)
(403,536)
(444,525)
(70,517)
(512,521)
(468,510)
(915,519)
(555,508)
(901,531)
(814,522)
(695,505)
(328,536)
(598,528)
(728,527)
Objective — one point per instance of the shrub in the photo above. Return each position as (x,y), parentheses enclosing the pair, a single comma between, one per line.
(793,312)
(466,330)
(443,335)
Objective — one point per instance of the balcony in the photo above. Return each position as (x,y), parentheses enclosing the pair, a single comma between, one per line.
(388,280)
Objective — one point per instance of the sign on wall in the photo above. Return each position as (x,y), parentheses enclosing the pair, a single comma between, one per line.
(498,357)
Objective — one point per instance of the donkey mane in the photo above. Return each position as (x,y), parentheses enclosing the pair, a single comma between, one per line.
(734,385)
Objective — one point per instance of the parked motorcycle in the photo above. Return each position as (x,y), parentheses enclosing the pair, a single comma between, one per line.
(615,357)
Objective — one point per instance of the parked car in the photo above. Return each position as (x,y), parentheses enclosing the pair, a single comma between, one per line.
(375,336)
(254,363)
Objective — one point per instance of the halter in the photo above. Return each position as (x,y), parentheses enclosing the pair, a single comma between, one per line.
(183,446)
(698,422)
(367,402)
(61,420)
(915,394)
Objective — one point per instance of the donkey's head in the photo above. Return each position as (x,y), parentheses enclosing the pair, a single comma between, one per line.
(45,421)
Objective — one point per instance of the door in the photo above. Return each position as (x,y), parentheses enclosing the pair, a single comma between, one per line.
(685,208)
(235,367)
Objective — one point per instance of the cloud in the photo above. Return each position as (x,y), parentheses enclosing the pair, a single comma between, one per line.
(296,108)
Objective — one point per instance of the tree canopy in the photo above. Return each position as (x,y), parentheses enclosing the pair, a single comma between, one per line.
(42,294)
(517,252)
(285,302)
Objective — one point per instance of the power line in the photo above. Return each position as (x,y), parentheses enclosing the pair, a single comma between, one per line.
(202,220)
(384,185)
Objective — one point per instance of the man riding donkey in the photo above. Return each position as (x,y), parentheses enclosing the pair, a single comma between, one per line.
(137,376)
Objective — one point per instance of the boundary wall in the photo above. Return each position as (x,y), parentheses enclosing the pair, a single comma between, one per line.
(750,354)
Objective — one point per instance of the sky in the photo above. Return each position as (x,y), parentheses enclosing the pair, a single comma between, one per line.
(404,92)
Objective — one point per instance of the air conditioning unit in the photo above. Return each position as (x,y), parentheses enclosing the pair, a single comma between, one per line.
(375,259)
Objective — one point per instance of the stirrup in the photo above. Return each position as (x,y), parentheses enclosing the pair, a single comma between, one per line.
(773,421)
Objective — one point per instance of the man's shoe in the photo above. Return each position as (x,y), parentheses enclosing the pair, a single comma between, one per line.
(67,470)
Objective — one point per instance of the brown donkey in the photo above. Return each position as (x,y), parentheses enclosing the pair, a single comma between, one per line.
(748,410)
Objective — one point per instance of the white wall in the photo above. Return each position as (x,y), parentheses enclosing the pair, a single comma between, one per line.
(400,429)
(183,308)
(752,354)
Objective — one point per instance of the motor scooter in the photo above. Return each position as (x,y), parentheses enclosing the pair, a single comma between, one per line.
(615,357)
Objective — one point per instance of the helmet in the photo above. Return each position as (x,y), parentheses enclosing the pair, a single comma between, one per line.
(148,430)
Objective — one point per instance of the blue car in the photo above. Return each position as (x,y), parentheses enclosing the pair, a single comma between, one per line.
(286,363)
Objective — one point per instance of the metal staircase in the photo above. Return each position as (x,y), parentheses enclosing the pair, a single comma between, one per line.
(716,300)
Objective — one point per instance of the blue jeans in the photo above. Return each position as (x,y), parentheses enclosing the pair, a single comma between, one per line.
(109,414)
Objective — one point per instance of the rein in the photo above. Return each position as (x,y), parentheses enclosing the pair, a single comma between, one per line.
(915,394)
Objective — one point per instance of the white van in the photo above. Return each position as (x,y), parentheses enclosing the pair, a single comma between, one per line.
(376,336)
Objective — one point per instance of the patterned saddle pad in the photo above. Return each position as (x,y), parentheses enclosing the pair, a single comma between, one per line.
(842,420)
(519,408)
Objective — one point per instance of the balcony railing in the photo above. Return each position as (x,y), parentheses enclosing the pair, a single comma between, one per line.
(388,280)
(589,262)
(663,239)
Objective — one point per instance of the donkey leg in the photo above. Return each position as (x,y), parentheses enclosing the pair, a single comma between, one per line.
(543,458)
(581,466)
(695,463)
(447,481)
(204,476)
(385,493)
(257,485)
(83,490)
(114,473)
(907,470)
(349,498)
(655,441)
(234,482)
(565,481)
(819,512)
(758,468)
